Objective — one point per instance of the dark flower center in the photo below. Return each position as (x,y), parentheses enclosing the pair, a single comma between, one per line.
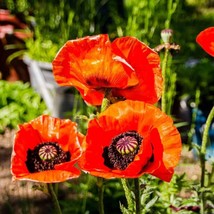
(45,156)
(122,150)
(96,81)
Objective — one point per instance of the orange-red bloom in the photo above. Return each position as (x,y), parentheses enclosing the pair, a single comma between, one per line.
(45,150)
(129,139)
(93,64)
(206,40)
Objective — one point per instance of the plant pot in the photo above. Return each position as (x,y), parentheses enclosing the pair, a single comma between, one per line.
(59,99)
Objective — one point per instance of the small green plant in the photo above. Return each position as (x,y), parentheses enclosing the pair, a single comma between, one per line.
(41,50)
(18,103)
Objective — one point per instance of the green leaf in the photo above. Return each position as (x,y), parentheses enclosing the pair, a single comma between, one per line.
(123,209)
(151,202)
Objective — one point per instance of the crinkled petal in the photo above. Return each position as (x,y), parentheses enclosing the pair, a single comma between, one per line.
(146,64)
(51,176)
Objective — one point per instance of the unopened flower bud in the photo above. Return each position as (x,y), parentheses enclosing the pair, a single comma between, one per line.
(166,35)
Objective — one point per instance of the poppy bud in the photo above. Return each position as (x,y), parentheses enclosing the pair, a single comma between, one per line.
(166,35)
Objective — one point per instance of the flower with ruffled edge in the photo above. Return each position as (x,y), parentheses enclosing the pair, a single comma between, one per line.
(46,150)
(129,139)
(94,65)
(206,40)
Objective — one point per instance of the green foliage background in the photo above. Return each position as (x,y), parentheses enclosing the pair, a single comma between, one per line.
(19,103)
(57,21)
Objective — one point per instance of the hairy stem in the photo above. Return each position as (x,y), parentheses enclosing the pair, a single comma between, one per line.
(137,195)
(127,194)
(203,154)
(57,209)
(100,194)
(164,67)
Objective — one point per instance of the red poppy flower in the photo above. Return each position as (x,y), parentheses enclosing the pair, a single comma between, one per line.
(93,64)
(129,139)
(206,40)
(45,150)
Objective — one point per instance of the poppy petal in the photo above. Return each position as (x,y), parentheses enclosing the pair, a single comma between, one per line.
(51,176)
(18,166)
(206,40)
(146,64)
(28,138)
(157,167)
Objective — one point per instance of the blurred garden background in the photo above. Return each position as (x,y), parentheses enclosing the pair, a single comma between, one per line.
(40,28)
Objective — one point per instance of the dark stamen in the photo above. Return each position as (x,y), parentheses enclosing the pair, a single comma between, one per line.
(122,150)
(45,156)
(96,81)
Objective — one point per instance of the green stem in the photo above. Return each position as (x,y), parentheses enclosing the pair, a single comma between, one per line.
(56,188)
(137,195)
(164,67)
(203,154)
(204,144)
(52,193)
(194,114)
(100,194)
(127,194)
(104,106)
(211,175)
(85,193)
